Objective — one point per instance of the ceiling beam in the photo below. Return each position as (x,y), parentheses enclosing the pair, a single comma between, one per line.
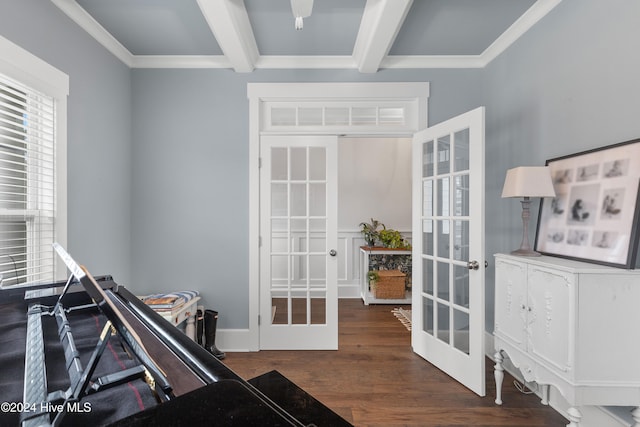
(97,31)
(229,22)
(379,27)
(536,12)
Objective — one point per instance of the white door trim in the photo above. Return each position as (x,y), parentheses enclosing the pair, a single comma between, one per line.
(261,93)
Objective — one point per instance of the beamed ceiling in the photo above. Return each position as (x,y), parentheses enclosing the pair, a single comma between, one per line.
(366,35)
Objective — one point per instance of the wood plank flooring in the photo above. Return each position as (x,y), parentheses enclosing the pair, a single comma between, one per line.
(376,380)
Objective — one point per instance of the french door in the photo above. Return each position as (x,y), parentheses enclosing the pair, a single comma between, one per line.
(448,307)
(298,240)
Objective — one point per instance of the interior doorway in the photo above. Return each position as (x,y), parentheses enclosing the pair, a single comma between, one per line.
(374,182)
(357,109)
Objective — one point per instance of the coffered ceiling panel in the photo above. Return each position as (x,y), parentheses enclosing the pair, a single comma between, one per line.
(362,34)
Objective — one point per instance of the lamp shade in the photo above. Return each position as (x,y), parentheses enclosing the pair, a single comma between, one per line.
(528,181)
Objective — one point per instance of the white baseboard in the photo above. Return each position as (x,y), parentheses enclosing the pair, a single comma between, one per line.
(592,416)
(233,340)
(348,290)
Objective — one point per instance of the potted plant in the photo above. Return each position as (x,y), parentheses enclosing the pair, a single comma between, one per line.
(370,231)
(392,239)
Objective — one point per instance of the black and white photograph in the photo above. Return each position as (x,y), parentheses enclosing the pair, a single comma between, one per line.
(594,216)
(616,168)
(611,204)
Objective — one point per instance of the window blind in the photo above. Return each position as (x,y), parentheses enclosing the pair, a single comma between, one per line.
(27,184)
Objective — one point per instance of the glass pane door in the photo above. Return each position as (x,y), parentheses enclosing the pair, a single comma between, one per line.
(449,247)
(299,290)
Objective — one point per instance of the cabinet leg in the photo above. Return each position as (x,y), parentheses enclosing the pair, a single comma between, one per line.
(636,416)
(498,373)
(574,417)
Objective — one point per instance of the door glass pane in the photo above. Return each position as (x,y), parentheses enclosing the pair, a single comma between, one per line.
(443,280)
(279,236)
(318,308)
(461,148)
(443,239)
(427,198)
(461,286)
(279,310)
(299,235)
(427,276)
(279,200)
(461,331)
(317,163)
(336,116)
(278,163)
(298,163)
(317,200)
(281,116)
(298,199)
(299,308)
(427,159)
(427,319)
(443,196)
(318,243)
(318,271)
(442,311)
(444,154)
(279,271)
(461,240)
(427,237)
(461,195)
(318,225)
(299,272)
(310,116)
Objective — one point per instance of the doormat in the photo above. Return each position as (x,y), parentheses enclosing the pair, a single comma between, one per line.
(404,316)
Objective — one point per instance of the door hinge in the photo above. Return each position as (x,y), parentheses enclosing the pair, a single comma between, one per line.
(259,241)
(259,319)
(259,162)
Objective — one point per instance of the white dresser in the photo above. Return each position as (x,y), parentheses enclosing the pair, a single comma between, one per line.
(571,325)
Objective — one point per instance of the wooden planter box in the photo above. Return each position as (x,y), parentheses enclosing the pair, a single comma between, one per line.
(390,285)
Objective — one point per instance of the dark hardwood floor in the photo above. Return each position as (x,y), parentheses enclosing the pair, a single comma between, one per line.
(375,379)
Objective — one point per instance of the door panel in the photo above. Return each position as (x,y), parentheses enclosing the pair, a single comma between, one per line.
(448,250)
(298,228)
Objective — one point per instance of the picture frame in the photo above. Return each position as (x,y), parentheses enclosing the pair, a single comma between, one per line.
(594,216)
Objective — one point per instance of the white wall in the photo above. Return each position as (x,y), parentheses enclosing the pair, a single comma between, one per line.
(374,181)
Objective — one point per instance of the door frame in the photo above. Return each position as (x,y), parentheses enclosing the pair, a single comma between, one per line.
(415,95)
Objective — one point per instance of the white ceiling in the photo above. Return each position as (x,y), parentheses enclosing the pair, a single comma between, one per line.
(360,34)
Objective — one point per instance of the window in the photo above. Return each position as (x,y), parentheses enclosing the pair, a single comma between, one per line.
(32,167)
(27,184)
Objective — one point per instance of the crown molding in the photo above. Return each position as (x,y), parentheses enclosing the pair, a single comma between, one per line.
(433,61)
(181,61)
(306,62)
(230,24)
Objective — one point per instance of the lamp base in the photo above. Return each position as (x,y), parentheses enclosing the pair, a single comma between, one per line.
(525,252)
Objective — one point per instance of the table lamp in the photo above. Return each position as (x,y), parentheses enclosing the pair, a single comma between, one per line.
(527,182)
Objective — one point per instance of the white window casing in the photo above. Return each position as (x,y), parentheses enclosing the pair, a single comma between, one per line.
(33,199)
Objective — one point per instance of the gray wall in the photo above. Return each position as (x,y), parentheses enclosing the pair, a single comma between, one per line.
(99,132)
(570,84)
(190,205)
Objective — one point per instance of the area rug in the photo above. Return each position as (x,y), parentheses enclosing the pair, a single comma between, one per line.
(404,316)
